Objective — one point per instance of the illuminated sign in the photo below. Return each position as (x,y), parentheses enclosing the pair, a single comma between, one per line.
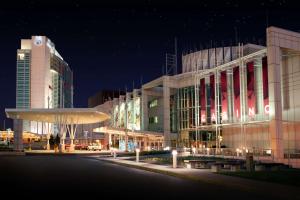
(38,40)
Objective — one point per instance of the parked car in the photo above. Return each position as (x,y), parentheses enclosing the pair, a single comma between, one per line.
(94,147)
(81,146)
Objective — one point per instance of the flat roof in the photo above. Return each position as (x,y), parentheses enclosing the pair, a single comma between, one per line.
(65,115)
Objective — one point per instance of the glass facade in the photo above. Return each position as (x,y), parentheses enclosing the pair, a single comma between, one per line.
(23,82)
(23,79)
(62,83)
(223,107)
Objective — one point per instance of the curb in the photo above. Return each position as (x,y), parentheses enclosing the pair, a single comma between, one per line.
(174,174)
(194,178)
(12,153)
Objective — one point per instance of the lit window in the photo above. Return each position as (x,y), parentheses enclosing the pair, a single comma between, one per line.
(21,56)
(153,103)
(155,119)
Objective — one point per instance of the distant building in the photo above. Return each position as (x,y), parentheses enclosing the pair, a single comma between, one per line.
(102,96)
(43,78)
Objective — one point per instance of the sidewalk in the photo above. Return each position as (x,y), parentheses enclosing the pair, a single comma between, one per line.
(11,153)
(204,175)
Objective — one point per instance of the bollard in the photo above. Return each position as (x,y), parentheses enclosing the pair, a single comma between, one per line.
(115,154)
(137,155)
(174,153)
(194,151)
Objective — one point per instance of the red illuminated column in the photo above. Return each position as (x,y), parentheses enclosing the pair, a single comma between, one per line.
(251,97)
(212,98)
(236,93)
(202,101)
(224,97)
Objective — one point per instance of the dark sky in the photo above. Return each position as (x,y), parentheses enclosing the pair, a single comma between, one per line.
(108,45)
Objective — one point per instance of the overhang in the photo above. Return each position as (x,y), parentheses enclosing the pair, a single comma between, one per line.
(65,115)
(123,131)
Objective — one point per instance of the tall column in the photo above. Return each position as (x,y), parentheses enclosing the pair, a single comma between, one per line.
(48,139)
(274,77)
(243,92)
(18,134)
(230,108)
(145,118)
(258,87)
(109,141)
(126,142)
(166,111)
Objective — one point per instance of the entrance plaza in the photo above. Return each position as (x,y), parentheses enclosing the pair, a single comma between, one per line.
(65,122)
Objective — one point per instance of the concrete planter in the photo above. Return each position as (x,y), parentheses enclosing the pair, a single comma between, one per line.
(215,168)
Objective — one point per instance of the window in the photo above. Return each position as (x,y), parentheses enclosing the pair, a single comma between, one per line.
(21,56)
(153,103)
(153,120)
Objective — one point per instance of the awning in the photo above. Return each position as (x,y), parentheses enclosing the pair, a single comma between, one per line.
(123,131)
(65,115)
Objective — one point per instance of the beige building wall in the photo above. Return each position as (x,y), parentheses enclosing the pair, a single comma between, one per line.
(40,72)
(283,89)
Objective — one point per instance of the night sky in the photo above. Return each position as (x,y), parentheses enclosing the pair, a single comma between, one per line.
(110,45)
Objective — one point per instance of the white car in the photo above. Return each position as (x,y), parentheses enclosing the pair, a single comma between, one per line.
(94,147)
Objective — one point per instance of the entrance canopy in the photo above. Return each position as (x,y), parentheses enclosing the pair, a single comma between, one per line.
(69,115)
(122,131)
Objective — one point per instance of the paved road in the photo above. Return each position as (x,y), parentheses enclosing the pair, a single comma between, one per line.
(75,175)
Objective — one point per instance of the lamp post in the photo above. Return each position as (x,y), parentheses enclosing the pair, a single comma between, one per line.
(174,153)
(137,155)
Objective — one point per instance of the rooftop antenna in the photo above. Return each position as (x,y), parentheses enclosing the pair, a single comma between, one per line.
(175,51)
(236,35)
(171,60)
(132,85)
(267,18)
(141,81)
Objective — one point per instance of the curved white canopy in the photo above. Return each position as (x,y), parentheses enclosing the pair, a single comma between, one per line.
(65,115)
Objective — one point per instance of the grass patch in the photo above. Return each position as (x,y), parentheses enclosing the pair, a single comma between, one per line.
(286,177)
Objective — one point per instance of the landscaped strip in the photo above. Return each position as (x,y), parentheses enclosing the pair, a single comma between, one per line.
(184,176)
(286,177)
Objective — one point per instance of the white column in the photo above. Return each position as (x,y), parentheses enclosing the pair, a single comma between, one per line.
(137,155)
(109,141)
(274,77)
(174,153)
(166,111)
(144,115)
(18,135)
(126,142)
(48,138)
(258,80)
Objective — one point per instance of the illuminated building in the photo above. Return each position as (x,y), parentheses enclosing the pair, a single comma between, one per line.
(43,78)
(227,98)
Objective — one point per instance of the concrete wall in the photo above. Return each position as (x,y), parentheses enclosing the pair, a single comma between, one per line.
(281,90)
